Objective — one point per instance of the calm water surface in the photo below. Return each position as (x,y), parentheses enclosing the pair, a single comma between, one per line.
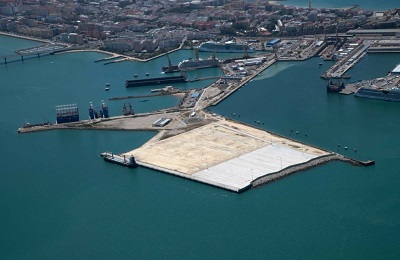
(60,200)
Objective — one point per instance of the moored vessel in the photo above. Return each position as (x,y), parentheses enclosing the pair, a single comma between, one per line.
(155,81)
(386,94)
(198,63)
(128,161)
(229,46)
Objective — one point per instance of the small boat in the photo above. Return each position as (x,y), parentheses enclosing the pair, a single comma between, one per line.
(147,74)
(135,75)
(108,84)
(107,89)
(144,100)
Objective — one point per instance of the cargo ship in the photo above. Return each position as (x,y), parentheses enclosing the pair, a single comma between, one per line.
(155,81)
(67,113)
(198,63)
(127,161)
(386,94)
(229,46)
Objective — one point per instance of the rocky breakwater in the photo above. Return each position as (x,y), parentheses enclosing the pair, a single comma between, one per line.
(307,165)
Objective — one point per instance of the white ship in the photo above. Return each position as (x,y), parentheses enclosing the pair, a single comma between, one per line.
(229,46)
(198,63)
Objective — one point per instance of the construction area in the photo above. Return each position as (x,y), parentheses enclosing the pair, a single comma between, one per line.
(225,154)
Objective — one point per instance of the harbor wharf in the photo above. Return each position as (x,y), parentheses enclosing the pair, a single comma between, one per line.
(137,122)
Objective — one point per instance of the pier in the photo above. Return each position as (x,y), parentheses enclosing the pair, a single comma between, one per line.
(343,65)
(109,58)
(33,52)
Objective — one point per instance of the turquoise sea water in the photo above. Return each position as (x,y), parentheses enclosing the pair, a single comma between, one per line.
(58,199)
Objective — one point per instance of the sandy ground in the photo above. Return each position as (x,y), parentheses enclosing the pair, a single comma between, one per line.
(209,145)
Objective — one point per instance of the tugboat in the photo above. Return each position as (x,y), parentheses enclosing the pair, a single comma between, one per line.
(335,86)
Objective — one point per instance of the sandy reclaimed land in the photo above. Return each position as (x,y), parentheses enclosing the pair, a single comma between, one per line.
(210,145)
